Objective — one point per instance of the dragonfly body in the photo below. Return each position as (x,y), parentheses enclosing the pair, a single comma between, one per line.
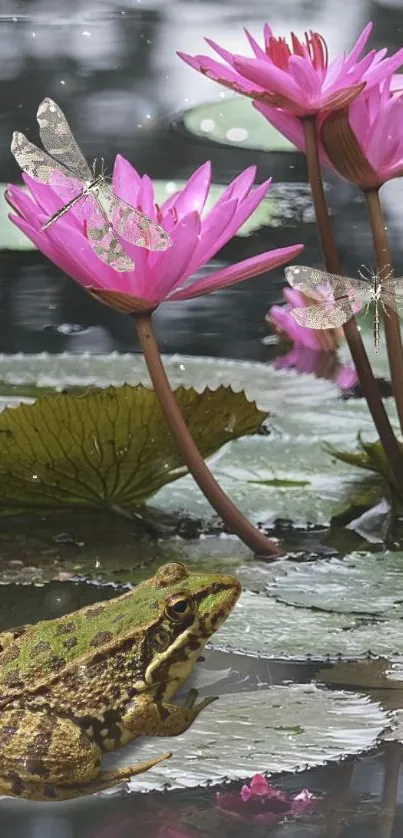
(91,187)
(65,168)
(338,298)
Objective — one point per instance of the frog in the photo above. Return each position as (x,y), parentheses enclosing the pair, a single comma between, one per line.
(77,686)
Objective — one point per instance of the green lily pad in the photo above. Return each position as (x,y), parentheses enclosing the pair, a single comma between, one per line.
(11,238)
(304,412)
(108,447)
(361,583)
(260,625)
(234,122)
(281,729)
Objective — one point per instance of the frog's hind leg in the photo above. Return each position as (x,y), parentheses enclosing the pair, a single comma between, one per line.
(46,757)
(50,791)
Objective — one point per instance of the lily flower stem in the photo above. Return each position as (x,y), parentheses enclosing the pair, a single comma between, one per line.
(230,514)
(391,318)
(366,378)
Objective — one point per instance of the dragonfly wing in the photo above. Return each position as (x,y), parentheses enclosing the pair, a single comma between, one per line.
(394,301)
(308,279)
(102,238)
(323,317)
(34,161)
(392,293)
(136,227)
(58,139)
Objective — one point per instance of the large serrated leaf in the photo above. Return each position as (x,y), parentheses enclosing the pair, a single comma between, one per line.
(108,447)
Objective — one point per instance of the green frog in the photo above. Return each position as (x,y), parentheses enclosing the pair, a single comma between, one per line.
(89,682)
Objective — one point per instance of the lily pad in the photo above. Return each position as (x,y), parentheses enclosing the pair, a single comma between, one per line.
(304,411)
(361,583)
(281,729)
(109,447)
(259,625)
(234,122)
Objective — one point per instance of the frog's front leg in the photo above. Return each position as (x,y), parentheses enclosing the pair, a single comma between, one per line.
(43,756)
(145,716)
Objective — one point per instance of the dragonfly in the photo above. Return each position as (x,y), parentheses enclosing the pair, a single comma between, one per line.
(340,297)
(86,189)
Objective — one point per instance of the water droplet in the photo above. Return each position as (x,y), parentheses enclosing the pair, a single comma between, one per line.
(86,34)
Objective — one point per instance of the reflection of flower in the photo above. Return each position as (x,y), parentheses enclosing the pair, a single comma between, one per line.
(262,802)
(160,276)
(322,364)
(297,77)
(286,327)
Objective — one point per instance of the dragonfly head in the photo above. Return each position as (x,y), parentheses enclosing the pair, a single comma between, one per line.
(99,167)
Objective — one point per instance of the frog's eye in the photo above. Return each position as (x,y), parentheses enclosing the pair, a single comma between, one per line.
(179,608)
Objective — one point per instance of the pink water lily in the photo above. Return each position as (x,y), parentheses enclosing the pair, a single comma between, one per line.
(158,276)
(364,143)
(297,76)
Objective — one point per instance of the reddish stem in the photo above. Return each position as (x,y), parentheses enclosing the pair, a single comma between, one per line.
(366,378)
(391,319)
(252,537)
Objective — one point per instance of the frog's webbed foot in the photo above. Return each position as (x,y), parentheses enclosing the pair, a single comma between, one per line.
(191,699)
(148,717)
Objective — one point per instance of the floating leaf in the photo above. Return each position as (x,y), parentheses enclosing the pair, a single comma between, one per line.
(235,123)
(281,729)
(361,583)
(108,447)
(260,625)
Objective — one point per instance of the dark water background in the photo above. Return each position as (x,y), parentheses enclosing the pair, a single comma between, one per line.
(112,68)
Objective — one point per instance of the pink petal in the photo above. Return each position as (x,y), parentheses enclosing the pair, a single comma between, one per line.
(257,49)
(269,77)
(192,197)
(306,77)
(145,197)
(213,231)
(236,273)
(359,45)
(238,188)
(25,206)
(125,181)
(223,53)
(45,196)
(176,259)
(288,125)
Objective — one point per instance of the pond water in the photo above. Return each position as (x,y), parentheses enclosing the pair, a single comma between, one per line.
(112,67)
